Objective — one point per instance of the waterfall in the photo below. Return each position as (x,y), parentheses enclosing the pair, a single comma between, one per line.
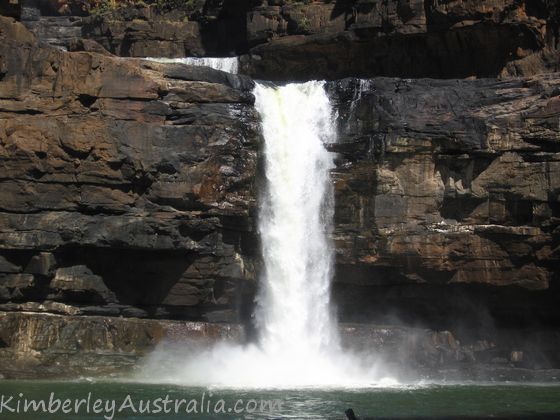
(298,343)
(361,87)
(227,64)
(295,220)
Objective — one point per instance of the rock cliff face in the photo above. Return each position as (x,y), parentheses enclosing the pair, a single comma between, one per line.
(129,187)
(417,38)
(449,189)
(324,39)
(37,345)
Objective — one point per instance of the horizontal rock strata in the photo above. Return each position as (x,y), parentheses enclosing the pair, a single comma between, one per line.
(124,184)
(129,187)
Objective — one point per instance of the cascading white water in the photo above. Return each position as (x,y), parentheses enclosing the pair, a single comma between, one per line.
(294,314)
(227,64)
(298,341)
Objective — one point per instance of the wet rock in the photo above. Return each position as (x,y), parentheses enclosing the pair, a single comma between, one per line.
(128,186)
(35,345)
(446,194)
(446,203)
(59,31)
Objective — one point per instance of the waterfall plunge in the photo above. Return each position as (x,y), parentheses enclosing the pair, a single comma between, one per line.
(296,216)
(298,341)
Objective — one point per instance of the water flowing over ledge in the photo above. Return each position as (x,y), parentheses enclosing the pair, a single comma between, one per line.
(135,222)
(296,216)
(298,343)
(227,64)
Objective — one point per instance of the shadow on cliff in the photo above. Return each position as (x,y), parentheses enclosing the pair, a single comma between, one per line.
(503,326)
(225,35)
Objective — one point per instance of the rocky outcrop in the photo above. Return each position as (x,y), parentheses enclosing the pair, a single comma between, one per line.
(127,187)
(203,28)
(36,346)
(448,191)
(410,353)
(144,29)
(323,39)
(144,33)
(59,31)
(419,38)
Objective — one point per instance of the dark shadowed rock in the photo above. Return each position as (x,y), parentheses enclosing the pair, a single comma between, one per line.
(457,177)
(201,28)
(447,202)
(293,40)
(420,38)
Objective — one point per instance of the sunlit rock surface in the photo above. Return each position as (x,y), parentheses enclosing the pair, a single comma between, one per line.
(447,203)
(450,181)
(129,187)
(124,182)
(418,38)
(323,39)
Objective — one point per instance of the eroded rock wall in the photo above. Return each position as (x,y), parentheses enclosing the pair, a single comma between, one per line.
(37,345)
(324,39)
(421,38)
(447,201)
(127,187)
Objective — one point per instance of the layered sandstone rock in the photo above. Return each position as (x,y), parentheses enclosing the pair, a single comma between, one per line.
(125,184)
(449,189)
(129,187)
(36,346)
(201,28)
(419,38)
(323,39)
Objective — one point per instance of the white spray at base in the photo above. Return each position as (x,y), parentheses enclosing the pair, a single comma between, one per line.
(298,342)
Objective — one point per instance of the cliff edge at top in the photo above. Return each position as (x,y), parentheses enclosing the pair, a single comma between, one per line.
(322,39)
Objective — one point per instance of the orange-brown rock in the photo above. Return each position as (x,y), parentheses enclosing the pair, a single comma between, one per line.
(129,187)
(133,178)
(324,39)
